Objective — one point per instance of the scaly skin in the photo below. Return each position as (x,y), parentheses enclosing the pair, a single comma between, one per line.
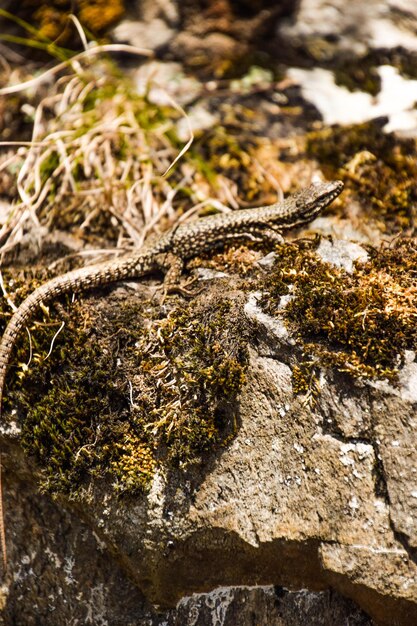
(168,254)
(172,249)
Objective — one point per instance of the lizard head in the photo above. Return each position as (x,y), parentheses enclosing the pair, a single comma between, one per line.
(307,203)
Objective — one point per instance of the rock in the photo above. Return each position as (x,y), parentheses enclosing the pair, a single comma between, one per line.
(307,495)
(213,47)
(148,24)
(150,35)
(165,82)
(316,493)
(272,606)
(341,253)
(379,34)
(396,99)
(353,26)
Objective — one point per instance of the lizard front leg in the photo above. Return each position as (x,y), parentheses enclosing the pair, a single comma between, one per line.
(269,235)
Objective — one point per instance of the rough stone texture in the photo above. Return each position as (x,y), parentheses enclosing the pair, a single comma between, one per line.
(313,496)
(267,606)
(59,570)
(307,496)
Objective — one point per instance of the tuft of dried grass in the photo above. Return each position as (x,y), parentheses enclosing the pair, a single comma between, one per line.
(99,154)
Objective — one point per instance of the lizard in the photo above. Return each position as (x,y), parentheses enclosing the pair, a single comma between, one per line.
(169,253)
(172,249)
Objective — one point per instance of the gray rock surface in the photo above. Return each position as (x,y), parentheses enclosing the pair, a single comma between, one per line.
(317,495)
(355,26)
(148,24)
(309,495)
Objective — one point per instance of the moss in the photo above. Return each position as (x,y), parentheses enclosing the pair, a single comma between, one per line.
(359,323)
(79,423)
(192,366)
(134,465)
(362,72)
(379,169)
(304,377)
(359,74)
(19,284)
(227,153)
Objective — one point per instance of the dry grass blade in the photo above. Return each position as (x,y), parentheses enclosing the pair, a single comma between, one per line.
(72,62)
(99,152)
(105,162)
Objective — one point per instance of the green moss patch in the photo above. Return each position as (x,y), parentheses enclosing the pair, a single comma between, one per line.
(379,169)
(361,72)
(125,390)
(359,323)
(191,366)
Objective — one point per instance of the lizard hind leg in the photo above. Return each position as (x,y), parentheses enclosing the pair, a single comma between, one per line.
(174,265)
(184,290)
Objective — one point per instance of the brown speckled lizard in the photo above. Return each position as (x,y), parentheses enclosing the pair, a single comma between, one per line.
(172,249)
(168,254)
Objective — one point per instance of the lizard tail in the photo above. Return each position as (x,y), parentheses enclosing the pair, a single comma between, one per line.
(77,280)
(16,323)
